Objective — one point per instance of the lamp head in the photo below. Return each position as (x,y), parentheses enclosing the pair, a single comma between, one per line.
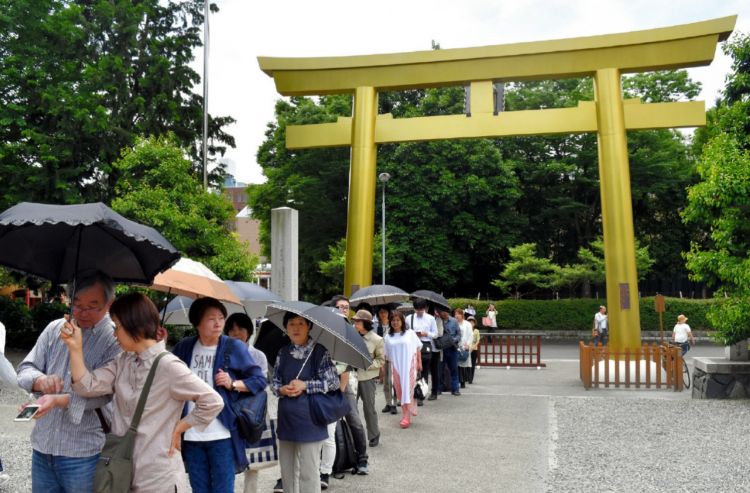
(384,177)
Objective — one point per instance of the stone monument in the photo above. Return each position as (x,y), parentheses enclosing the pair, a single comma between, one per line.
(285,252)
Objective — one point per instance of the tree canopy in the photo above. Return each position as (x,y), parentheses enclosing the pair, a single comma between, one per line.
(80,80)
(719,205)
(158,187)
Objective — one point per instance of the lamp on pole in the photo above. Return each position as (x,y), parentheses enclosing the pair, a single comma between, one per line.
(383,177)
(205,93)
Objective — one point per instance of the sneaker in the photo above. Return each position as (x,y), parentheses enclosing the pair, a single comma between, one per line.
(387,409)
(432,397)
(362,469)
(279,488)
(375,441)
(393,410)
(456,392)
(420,403)
(324,481)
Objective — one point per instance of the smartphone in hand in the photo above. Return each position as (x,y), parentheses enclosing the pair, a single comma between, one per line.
(27,413)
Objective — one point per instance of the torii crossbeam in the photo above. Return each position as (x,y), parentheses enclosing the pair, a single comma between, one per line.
(604,58)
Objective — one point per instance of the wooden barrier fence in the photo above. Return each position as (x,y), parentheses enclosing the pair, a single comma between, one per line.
(651,366)
(510,350)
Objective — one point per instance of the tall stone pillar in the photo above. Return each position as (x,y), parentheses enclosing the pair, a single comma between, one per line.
(285,253)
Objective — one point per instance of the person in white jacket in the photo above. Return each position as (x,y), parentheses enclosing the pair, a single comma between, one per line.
(464,346)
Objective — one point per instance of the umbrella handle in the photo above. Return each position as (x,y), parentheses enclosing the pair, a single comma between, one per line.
(164,312)
(308,356)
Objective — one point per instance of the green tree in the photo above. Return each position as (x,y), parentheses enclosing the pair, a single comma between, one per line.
(314,182)
(158,187)
(559,175)
(590,270)
(526,273)
(80,80)
(720,206)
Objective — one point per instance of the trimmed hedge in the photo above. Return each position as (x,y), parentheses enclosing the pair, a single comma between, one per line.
(578,313)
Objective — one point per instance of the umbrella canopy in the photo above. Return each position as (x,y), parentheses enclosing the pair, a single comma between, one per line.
(432,296)
(341,339)
(177,310)
(270,340)
(57,241)
(378,294)
(254,301)
(253,297)
(190,278)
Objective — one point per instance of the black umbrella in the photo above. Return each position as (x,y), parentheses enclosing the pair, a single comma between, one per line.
(270,340)
(340,338)
(432,296)
(378,294)
(56,242)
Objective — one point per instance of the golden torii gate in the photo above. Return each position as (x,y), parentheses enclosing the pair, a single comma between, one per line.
(605,58)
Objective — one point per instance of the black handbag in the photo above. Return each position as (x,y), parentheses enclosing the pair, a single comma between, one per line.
(445,341)
(114,469)
(328,407)
(249,410)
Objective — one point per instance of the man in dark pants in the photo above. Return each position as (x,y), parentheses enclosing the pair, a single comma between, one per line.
(423,324)
(450,354)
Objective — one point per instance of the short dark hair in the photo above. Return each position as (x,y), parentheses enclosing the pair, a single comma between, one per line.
(199,307)
(137,315)
(420,304)
(399,315)
(242,321)
(290,315)
(335,300)
(366,323)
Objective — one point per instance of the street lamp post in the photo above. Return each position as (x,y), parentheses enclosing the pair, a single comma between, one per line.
(383,177)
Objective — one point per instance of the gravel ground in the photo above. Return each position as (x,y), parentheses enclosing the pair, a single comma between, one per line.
(649,445)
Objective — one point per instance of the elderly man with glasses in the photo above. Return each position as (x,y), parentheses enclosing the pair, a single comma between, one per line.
(68,434)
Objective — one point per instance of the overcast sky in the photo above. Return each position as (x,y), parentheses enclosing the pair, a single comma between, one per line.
(244,29)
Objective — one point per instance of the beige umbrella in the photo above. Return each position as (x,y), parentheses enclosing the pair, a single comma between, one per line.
(190,278)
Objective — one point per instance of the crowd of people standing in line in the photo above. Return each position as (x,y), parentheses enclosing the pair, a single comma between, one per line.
(89,370)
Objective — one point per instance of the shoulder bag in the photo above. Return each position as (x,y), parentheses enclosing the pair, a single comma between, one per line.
(114,469)
(249,410)
(441,342)
(326,407)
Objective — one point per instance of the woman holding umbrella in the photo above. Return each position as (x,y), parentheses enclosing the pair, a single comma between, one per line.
(294,377)
(214,455)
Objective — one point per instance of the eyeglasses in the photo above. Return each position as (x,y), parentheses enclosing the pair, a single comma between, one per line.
(78,309)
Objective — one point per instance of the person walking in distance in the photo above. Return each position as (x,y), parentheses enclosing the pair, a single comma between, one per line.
(601,327)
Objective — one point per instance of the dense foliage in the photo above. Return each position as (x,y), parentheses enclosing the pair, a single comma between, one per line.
(157,187)
(719,206)
(80,80)
(578,314)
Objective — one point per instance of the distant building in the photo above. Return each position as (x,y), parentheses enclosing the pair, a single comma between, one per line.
(247,228)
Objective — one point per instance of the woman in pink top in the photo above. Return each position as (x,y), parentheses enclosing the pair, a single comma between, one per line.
(156,465)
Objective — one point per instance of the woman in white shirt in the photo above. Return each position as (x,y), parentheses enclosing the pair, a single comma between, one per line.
(681,334)
(464,345)
(403,350)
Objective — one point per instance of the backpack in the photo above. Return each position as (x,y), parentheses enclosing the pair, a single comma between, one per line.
(346,455)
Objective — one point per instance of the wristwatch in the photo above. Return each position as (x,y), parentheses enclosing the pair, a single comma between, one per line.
(234,385)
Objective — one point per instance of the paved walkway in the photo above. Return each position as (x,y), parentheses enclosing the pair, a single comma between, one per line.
(536,431)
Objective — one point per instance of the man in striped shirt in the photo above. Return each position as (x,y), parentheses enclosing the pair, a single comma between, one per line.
(68,436)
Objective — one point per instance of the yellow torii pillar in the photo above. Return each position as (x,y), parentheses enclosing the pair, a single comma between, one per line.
(604,58)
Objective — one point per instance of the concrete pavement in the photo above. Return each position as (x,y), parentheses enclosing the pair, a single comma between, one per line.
(528,430)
